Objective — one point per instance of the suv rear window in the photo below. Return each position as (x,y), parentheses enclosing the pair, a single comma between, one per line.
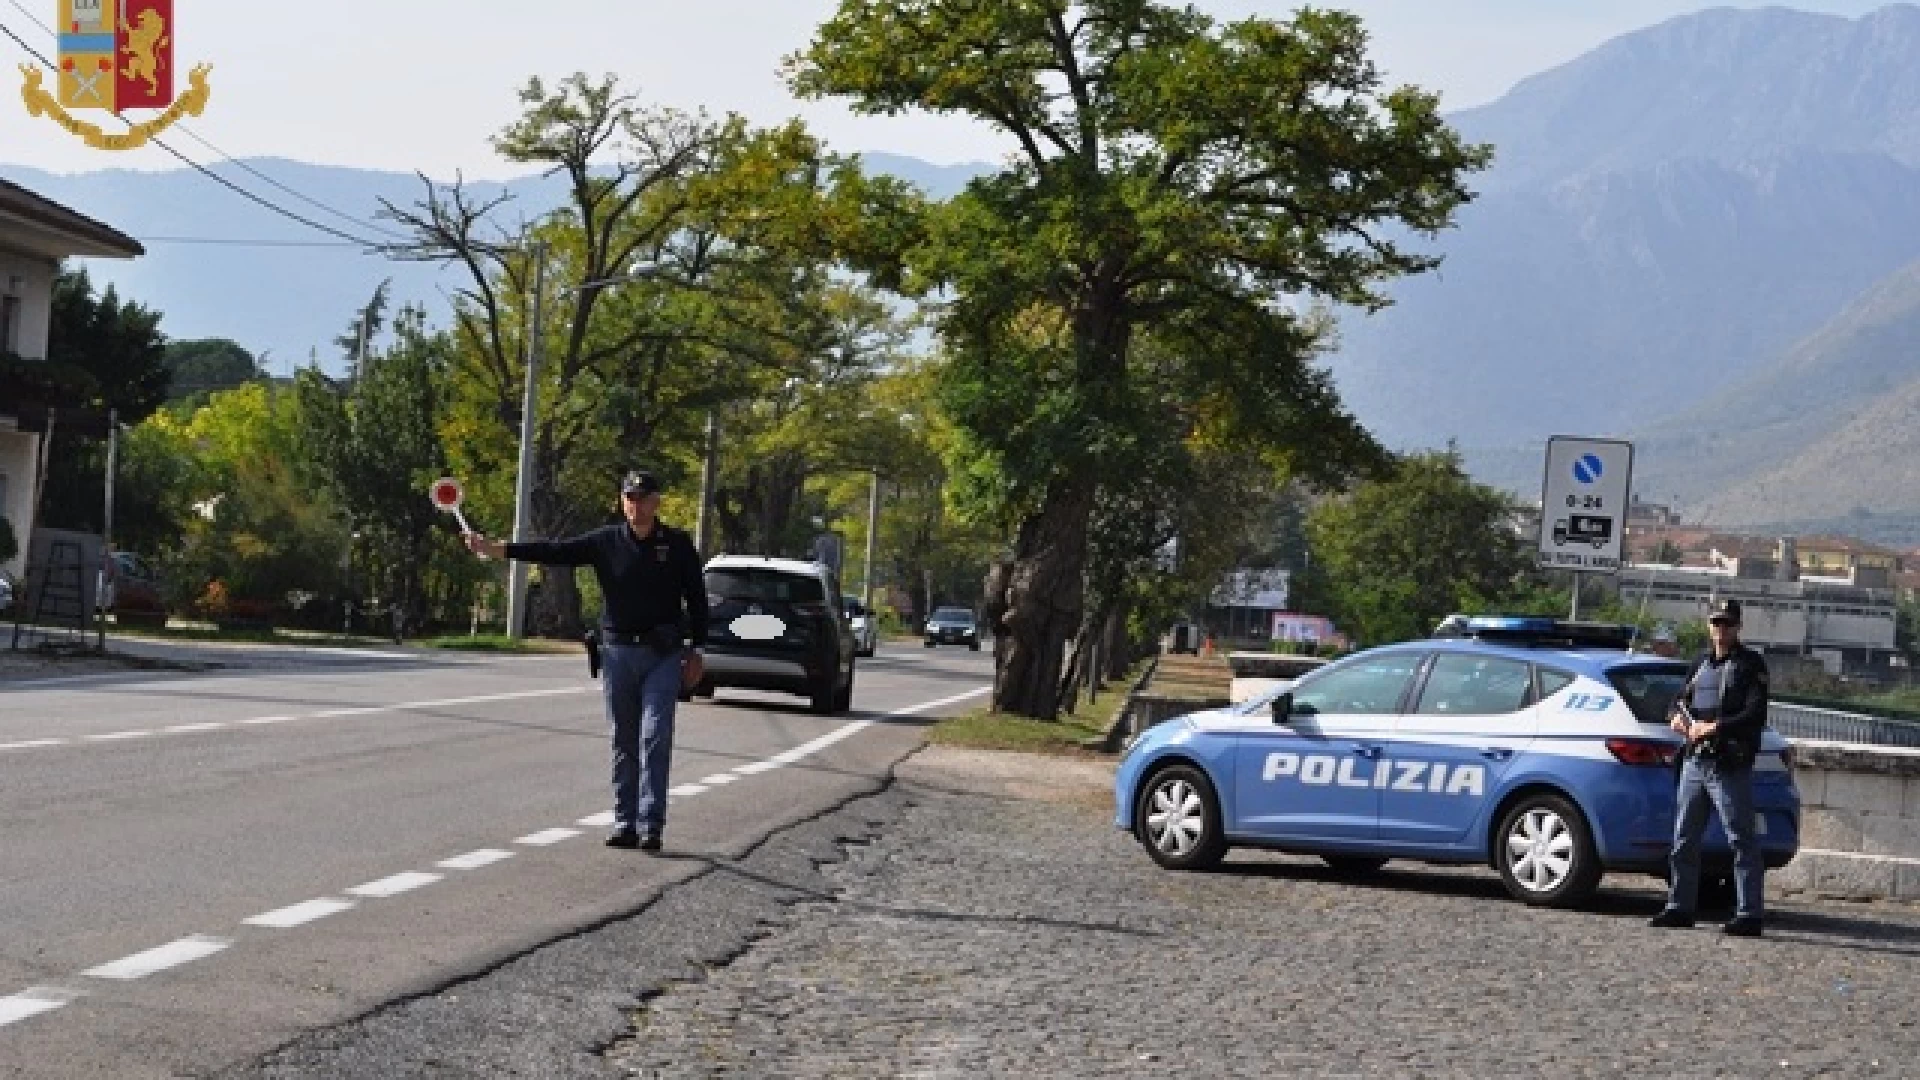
(1649,689)
(953,615)
(752,583)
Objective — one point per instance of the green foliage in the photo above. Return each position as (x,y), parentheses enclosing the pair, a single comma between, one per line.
(206,366)
(371,444)
(117,343)
(1401,554)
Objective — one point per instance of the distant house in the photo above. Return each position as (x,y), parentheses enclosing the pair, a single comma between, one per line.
(35,235)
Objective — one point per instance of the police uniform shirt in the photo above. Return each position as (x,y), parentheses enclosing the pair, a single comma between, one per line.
(647,582)
(1706,686)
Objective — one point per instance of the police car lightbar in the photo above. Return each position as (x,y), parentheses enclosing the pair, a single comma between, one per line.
(1532,630)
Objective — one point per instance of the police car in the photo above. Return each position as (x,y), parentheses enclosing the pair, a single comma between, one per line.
(1535,745)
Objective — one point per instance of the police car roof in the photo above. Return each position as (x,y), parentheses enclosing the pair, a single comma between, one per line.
(1581,661)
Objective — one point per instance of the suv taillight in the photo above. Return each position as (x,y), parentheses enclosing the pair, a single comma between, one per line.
(1643,752)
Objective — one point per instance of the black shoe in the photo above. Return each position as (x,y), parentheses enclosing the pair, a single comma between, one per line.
(650,841)
(1671,919)
(1744,927)
(623,838)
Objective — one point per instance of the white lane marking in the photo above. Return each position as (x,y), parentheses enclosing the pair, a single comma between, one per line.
(370,710)
(393,886)
(925,705)
(32,744)
(300,914)
(474,860)
(601,820)
(685,790)
(32,1002)
(757,767)
(547,837)
(172,954)
(717,779)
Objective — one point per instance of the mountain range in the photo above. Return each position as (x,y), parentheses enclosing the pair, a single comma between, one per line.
(1703,236)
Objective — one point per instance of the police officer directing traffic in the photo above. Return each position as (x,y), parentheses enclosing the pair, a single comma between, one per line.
(656,604)
(1722,711)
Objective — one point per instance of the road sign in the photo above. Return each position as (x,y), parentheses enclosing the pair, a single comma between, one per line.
(1583,504)
(447,495)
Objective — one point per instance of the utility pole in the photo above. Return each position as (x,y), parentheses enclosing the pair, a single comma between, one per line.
(523,484)
(106,538)
(873,530)
(709,479)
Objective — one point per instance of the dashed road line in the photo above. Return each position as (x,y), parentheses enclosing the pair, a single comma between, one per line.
(474,860)
(547,837)
(187,729)
(601,820)
(394,886)
(685,790)
(300,914)
(718,779)
(171,955)
(32,744)
(30,1003)
(118,736)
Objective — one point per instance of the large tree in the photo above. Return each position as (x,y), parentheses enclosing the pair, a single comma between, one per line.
(1166,168)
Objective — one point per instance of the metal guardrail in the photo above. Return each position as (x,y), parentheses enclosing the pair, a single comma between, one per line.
(1807,722)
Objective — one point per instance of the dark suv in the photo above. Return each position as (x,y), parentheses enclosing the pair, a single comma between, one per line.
(777,624)
(953,626)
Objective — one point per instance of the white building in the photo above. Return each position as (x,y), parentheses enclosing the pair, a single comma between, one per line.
(35,235)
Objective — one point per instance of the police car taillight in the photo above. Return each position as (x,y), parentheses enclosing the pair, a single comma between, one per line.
(1642,751)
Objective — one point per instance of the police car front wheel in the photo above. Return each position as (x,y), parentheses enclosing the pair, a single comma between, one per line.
(1544,852)
(1178,819)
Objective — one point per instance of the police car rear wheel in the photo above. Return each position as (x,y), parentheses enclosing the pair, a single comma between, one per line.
(1178,820)
(1545,854)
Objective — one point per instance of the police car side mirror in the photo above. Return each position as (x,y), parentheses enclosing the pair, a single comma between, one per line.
(1283,708)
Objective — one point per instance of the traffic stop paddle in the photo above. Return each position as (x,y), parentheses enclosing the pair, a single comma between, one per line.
(446,495)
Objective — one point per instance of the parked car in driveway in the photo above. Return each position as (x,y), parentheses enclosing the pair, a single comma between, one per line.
(953,626)
(777,624)
(131,585)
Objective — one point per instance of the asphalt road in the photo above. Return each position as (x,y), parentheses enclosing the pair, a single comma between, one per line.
(195,869)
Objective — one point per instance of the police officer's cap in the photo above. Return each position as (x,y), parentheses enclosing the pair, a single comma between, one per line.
(1725,611)
(639,482)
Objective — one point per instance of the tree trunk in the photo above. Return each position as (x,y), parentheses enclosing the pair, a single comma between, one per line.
(1034,601)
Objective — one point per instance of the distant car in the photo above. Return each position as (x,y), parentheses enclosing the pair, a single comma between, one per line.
(775,624)
(953,626)
(866,628)
(6,592)
(1536,746)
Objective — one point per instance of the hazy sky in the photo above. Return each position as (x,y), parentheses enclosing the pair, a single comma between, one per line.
(421,85)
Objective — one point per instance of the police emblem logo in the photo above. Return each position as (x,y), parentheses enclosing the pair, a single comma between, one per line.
(115,56)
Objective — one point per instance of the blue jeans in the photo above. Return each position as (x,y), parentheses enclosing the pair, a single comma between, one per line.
(1730,791)
(643,688)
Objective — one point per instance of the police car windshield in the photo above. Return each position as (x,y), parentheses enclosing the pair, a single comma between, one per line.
(1649,689)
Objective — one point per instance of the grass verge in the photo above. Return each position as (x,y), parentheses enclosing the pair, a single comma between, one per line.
(984,729)
(499,643)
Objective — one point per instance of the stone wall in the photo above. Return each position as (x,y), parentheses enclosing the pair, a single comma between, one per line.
(1859,824)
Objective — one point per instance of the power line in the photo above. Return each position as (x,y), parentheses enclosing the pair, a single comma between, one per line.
(194,165)
(236,241)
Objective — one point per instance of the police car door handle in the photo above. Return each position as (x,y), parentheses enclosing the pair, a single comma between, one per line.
(1496,753)
(1367,751)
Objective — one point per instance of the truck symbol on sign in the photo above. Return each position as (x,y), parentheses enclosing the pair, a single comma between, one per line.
(1583,529)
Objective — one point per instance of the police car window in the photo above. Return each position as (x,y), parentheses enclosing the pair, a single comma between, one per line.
(1649,689)
(1463,685)
(1372,685)
(753,584)
(1552,681)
